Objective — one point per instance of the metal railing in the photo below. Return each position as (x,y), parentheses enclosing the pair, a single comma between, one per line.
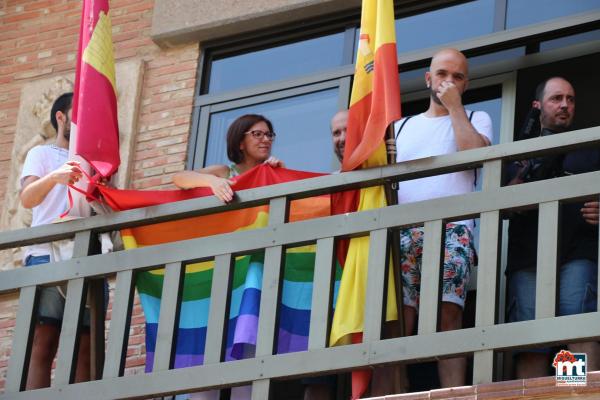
(486,337)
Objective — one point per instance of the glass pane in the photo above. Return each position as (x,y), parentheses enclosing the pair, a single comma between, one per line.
(525,12)
(502,55)
(281,62)
(494,108)
(445,25)
(570,40)
(413,74)
(302,126)
(483,59)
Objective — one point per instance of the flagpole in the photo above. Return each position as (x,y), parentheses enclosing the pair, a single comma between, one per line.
(391,194)
(95,137)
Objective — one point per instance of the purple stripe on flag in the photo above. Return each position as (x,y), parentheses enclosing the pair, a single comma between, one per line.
(245,333)
(289,343)
(188,360)
(149,361)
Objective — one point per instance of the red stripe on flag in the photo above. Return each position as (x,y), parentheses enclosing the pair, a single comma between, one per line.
(94,101)
(97,127)
(370,116)
(361,377)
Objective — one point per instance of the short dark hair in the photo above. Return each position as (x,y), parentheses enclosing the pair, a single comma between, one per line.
(63,103)
(541,87)
(236,132)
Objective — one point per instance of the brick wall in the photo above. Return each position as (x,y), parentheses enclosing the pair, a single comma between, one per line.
(8,308)
(38,39)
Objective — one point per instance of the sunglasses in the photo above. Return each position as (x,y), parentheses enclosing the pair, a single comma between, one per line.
(258,134)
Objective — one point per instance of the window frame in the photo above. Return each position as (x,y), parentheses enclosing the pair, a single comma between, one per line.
(341,77)
(502,72)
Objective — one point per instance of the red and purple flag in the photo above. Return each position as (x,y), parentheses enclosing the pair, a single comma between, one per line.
(96,135)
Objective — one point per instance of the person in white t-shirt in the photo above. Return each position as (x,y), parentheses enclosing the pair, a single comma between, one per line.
(45,174)
(446,127)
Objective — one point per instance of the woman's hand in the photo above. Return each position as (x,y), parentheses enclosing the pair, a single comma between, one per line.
(274,162)
(221,188)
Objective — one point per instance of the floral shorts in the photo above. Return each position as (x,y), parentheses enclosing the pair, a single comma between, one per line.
(459,255)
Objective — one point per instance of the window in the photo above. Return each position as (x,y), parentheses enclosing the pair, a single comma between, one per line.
(570,40)
(276,63)
(300,78)
(473,62)
(301,124)
(526,12)
(445,25)
(582,72)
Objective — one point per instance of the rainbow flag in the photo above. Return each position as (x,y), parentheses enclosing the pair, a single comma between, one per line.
(247,272)
(374,105)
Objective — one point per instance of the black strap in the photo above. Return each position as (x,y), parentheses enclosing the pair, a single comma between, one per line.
(474,170)
(402,126)
(470,118)
(474,179)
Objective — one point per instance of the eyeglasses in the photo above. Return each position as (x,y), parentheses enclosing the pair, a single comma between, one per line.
(258,134)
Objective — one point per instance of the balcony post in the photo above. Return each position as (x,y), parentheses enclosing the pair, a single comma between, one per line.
(547,260)
(68,345)
(270,293)
(168,320)
(598,283)
(430,277)
(219,294)
(321,297)
(18,363)
(374,300)
(114,362)
(487,272)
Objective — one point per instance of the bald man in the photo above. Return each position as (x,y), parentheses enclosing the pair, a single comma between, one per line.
(446,127)
(339,124)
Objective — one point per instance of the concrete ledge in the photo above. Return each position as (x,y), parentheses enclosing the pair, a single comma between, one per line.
(181,21)
(536,388)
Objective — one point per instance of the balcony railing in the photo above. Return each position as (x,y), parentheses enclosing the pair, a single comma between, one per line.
(485,338)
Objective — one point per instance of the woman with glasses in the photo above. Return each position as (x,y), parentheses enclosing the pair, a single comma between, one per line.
(249,142)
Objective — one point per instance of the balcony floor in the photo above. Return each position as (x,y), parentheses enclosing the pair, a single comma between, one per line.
(537,388)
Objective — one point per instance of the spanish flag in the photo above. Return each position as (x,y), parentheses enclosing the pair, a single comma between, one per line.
(374,105)
(95,129)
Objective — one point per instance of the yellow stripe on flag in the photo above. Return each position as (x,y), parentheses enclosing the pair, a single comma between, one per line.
(373,106)
(376,30)
(99,51)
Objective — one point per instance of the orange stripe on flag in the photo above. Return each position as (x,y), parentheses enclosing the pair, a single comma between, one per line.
(370,116)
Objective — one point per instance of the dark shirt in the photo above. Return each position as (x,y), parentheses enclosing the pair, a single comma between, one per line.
(577,238)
